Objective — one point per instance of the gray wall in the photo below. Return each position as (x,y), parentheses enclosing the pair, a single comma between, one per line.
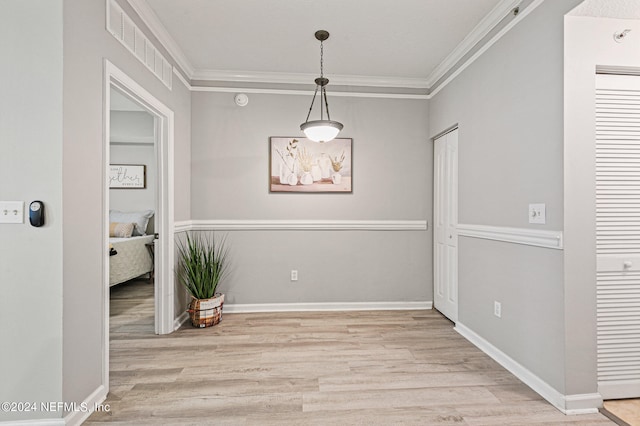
(392,163)
(127,127)
(509,105)
(86,45)
(589,43)
(31,169)
(131,126)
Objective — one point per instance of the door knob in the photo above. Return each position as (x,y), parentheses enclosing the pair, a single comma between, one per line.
(627,264)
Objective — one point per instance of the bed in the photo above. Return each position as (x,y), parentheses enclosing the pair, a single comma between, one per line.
(129,255)
(132,259)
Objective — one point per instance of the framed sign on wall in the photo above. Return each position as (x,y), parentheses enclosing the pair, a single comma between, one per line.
(127,176)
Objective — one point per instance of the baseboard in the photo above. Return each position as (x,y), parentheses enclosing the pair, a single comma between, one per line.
(177,323)
(76,417)
(587,403)
(91,402)
(336,306)
(34,422)
(567,404)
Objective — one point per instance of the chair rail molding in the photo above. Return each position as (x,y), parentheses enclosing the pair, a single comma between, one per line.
(527,236)
(302,225)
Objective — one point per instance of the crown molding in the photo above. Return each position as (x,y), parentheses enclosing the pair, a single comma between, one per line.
(304,78)
(334,94)
(486,25)
(151,20)
(523,14)
(182,79)
(483,28)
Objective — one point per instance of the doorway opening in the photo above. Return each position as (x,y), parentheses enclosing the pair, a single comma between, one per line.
(162,120)
(133,195)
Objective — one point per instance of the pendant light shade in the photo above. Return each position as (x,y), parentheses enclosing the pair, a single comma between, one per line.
(321,130)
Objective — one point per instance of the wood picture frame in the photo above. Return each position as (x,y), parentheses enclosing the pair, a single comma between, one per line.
(127,176)
(301,165)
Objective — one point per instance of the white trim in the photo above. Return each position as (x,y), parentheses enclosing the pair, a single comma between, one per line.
(182,226)
(34,422)
(97,397)
(487,45)
(308,92)
(105,293)
(164,282)
(330,306)
(568,404)
(138,44)
(582,403)
(164,277)
(177,323)
(489,22)
(304,78)
(136,140)
(302,225)
(530,237)
(151,20)
(182,79)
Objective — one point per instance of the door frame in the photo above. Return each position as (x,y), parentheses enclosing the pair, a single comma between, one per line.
(164,253)
(453,128)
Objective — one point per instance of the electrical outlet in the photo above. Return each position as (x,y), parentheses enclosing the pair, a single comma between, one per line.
(497,309)
(294,275)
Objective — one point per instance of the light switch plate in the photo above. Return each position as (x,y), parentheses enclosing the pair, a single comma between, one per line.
(11,212)
(537,213)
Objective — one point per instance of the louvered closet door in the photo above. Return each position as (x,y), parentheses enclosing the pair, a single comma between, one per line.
(618,234)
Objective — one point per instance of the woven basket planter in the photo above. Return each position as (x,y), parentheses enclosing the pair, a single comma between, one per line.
(206,312)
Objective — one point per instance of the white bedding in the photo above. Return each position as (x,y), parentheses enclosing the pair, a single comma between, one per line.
(133,259)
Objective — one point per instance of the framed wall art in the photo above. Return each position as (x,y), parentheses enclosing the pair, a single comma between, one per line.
(127,176)
(301,165)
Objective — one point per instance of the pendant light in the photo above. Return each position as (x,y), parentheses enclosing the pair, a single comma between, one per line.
(321,130)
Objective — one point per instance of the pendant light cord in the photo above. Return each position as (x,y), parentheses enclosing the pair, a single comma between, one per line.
(321,59)
(323,91)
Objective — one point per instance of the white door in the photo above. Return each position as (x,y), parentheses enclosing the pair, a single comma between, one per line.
(445,221)
(618,235)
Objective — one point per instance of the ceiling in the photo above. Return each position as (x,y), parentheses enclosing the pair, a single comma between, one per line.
(410,43)
(620,9)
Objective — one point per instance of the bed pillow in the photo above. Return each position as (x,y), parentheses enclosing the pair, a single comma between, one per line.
(120,230)
(139,219)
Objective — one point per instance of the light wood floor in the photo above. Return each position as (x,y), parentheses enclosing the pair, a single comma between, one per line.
(329,368)
(624,411)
